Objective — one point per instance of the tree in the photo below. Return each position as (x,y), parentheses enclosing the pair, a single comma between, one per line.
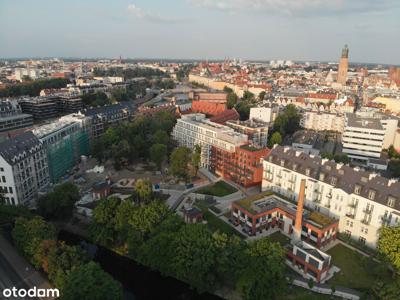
(158,153)
(394,167)
(28,234)
(263,275)
(161,137)
(386,291)
(103,225)
(393,153)
(232,99)
(280,124)
(180,159)
(59,203)
(276,138)
(196,159)
(341,158)
(261,95)
(58,259)
(195,255)
(144,190)
(145,219)
(248,95)
(389,245)
(89,281)
(243,108)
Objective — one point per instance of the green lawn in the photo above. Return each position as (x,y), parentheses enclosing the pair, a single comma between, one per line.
(215,223)
(280,238)
(357,271)
(219,189)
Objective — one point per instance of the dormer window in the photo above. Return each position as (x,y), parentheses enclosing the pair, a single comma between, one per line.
(341,172)
(357,189)
(321,176)
(282,162)
(308,171)
(391,201)
(294,167)
(333,181)
(371,194)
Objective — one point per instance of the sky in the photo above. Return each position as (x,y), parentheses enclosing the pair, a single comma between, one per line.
(308,30)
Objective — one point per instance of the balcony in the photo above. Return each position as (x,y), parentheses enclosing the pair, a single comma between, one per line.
(327,205)
(329,196)
(365,222)
(317,191)
(386,219)
(352,205)
(291,180)
(279,175)
(367,211)
(317,200)
(350,215)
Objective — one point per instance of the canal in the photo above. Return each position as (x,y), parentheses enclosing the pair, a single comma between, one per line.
(139,282)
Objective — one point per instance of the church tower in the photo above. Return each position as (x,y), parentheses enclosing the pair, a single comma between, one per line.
(343,66)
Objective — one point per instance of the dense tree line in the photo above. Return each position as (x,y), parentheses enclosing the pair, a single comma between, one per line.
(32,88)
(130,72)
(145,138)
(154,236)
(67,267)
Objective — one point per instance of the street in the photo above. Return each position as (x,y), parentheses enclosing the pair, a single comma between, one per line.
(9,278)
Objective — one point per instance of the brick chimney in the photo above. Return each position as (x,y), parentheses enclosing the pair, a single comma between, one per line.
(299,212)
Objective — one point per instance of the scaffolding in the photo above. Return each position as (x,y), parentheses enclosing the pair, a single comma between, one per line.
(63,155)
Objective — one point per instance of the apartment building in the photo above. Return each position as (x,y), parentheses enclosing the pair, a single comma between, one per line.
(196,129)
(264,114)
(257,131)
(65,141)
(23,169)
(103,117)
(322,121)
(39,107)
(12,120)
(362,201)
(364,138)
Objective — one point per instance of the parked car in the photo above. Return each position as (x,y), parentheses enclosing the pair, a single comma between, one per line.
(233,221)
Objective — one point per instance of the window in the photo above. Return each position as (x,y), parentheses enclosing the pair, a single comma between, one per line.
(321,177)
(357,189)
(308,171)
(333,181)
(391,201)
(371,194)
(347,232)
(362,240)
(4,178)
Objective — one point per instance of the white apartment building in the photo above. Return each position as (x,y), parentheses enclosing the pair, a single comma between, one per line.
(23,169)
(322,121)
(364,138)
(195,129)
(21,72)
(264,114)
(362,201)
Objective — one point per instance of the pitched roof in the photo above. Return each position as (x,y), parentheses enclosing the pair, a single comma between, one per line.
(19,147)
(343,177)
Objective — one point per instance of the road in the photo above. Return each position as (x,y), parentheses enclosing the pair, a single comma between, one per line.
(9,278)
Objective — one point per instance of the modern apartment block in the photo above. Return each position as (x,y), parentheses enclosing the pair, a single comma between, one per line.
(223,150)
(364,138)
(362,201)
(196,129)
(65,140)
(12,120)
(23,169)
(39,107)
(322,121)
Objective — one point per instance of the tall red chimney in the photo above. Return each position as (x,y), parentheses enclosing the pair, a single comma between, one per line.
(299,212)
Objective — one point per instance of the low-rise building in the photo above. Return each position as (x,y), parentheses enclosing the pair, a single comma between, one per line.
(208,103)
(23,169)
(309,142)
(361,200)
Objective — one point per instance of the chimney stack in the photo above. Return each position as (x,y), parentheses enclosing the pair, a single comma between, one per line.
(299,212)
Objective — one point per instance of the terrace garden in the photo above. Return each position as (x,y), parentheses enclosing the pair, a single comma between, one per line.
(218,189)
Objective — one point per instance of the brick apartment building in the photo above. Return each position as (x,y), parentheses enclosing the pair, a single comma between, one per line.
(241,166)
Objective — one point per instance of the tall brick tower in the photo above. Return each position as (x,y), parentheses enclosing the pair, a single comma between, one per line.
(343,66)
(299,213)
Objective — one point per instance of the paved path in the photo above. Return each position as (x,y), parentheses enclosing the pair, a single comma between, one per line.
(18,271)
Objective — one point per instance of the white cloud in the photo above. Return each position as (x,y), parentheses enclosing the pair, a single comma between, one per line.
(156,18)
(297,7)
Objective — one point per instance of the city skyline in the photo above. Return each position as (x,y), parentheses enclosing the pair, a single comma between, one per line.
(200,29)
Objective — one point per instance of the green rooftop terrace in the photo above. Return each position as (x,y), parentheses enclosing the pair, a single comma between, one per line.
(320,219)
(250,148)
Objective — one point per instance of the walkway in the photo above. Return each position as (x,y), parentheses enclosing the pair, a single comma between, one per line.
(23,275)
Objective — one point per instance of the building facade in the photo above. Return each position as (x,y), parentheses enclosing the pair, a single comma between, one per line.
(362,201)
(12,119)
(322,121)
(257,131)
(23,169)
